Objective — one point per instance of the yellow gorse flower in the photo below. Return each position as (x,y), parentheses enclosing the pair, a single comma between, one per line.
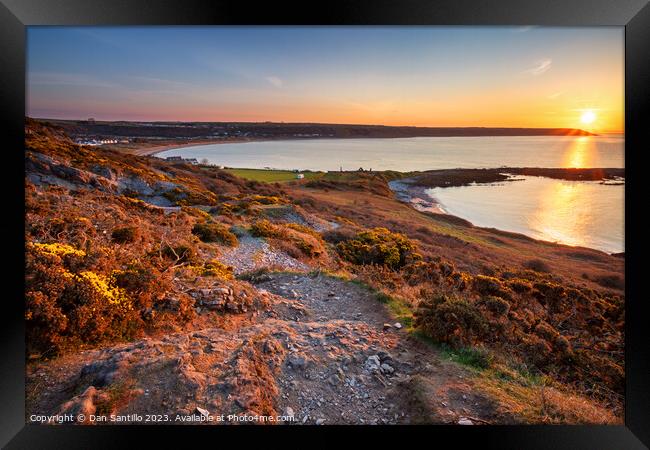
(57,249)
(105,288)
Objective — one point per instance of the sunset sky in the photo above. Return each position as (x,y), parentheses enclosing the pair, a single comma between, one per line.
(422,76)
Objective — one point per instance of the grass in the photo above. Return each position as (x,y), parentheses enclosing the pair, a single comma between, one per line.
(397,308)
(272,176)
(468,356)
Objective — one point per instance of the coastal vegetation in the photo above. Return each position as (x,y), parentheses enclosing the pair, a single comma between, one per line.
(122,247)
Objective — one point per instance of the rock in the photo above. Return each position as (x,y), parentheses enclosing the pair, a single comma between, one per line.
(397,325)
(383,356)
(104,171)
(214,304)
(171,303)
(271,346)
(333,380)
(465,421)
(386,368)
(296,362)
(320,421)
(387,326)
(373,363)
(203,412)
(288,411)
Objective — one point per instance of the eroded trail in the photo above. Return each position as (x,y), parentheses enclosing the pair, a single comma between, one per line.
(321,352)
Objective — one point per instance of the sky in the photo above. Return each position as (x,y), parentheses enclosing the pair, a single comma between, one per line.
(417,76)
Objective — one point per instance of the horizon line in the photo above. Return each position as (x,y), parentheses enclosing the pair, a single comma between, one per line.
(327,123)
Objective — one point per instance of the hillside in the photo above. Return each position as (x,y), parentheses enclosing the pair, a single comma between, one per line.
(155,287)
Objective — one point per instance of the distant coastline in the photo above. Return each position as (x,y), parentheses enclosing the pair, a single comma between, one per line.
(150,138)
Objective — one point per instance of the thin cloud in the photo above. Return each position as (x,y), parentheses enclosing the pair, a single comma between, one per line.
(555,95)
(540,67)
(67,79)
(275,81)
(523,29)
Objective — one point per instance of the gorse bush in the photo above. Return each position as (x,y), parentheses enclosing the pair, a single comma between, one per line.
(144,283)
(378,246)
(181,253)
(69,308)
(496,305)
(537,265)
(265,228)
(420,272)
(125,235)
(451,320)
(214,232)
(485,285)
(214,269)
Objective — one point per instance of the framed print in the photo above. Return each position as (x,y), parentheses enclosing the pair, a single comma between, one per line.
(363,217)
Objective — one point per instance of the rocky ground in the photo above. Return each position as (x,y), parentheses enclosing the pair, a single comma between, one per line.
(323,351)
(254,253)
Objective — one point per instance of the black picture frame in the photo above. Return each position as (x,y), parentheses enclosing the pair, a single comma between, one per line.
(634,15)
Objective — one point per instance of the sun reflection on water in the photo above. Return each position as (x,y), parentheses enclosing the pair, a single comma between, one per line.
(580,153)
(563,215)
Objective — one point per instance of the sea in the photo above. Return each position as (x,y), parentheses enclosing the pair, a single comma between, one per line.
(578,213)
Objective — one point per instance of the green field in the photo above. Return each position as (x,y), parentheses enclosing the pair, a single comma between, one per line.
(272,176)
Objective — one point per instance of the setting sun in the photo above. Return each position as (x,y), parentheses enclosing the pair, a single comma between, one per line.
(588,117)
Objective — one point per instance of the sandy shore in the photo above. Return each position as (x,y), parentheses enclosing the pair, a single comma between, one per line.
(150,151)
(407,192)
(144,150)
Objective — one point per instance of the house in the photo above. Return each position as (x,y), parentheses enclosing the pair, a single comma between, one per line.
(300,176)
(193,161)
(173,158)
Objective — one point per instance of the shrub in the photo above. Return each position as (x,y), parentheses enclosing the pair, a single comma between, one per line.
(214,232)
(338,235)
(520,286)
(496,305)
(378,246)
(180,253)
(549,292)
(65,308)
(485,285)
(446,268)
(537,265)
(460,280)
(196,212)
(421,272)
(124,235)
(450,320)
(217,269)
(143,283)
(551,335)
(264,228)
(610,281)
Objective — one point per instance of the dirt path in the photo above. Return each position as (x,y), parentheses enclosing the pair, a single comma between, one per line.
(319,352)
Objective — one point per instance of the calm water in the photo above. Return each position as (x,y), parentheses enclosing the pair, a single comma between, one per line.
(587,214)
(406,154)
(575,213)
